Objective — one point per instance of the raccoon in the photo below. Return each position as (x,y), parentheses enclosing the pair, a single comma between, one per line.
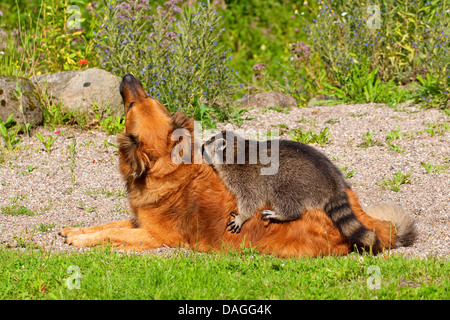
(287,176)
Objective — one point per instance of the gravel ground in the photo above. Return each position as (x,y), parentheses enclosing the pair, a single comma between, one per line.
(43,182)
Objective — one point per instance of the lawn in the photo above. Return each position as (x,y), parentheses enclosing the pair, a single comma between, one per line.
(103,273)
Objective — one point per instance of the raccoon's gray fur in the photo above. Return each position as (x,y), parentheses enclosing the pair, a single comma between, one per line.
(306,179)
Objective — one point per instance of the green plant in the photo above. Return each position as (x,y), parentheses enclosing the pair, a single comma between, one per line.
(395,147)
(176,53)
(434,168)
(47,143)
(29,170)
(52,113)
(397,180)
(111,124)
(41,38)
(394,134)
(440,129)
(367,56)
(431,91)
(44,227)
(347,174)
(10,136)
(369,141)
(64,44)
(73,159)
(18,95)
(311,136)
(25,241)
(15,210)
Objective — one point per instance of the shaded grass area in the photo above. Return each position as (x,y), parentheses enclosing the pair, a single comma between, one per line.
(105,274)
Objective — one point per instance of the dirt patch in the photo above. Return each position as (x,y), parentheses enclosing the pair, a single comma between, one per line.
(94,193)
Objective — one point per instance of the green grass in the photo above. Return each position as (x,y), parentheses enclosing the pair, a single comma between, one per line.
(15,210)
(105,274)
(397,180)
(311,136)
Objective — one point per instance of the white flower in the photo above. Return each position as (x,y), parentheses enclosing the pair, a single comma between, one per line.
(1,52)
(344,14)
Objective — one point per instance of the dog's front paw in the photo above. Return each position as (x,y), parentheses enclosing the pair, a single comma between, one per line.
(70,231)
(82,240)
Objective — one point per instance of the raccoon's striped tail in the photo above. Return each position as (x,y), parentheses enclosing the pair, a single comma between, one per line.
(382,227)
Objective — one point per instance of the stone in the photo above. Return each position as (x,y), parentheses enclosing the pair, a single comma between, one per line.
(267,99)
(54,83)
(31,100)
(92,86)
(78,91)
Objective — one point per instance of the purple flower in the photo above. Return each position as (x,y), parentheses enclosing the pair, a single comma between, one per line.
(171,3)
(301,51)
(259,67)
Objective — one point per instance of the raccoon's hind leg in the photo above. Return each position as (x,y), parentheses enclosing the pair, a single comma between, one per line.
(283,210)
(270,214)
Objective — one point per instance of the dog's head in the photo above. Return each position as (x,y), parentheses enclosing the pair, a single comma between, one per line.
(148,129)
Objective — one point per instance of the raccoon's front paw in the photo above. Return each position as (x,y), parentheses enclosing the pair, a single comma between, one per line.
(236,224)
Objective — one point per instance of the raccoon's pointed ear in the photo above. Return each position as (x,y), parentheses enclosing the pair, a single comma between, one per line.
(222,146)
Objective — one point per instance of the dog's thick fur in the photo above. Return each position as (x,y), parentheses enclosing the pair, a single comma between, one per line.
(188,205)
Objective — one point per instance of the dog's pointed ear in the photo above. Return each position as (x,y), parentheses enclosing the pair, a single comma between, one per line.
(131,89)
(180,120)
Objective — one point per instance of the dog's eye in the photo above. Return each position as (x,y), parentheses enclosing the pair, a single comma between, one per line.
(130,105)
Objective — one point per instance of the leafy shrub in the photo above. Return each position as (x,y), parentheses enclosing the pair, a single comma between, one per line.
(412,40)
(111,124)
(43,40)
(175,52)
(9,135)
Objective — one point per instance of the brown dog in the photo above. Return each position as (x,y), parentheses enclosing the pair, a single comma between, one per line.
(187,205)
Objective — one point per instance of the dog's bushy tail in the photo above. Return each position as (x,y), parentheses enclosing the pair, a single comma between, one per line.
(390,223)
(406,232)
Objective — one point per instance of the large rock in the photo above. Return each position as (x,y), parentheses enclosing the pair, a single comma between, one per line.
(266,100)
(93,86)
(54,83)
(78,91)
(9,100)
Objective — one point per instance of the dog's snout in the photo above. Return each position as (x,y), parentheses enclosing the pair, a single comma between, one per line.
(131,88)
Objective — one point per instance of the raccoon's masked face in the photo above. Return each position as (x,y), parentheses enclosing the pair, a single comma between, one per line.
(214,150)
